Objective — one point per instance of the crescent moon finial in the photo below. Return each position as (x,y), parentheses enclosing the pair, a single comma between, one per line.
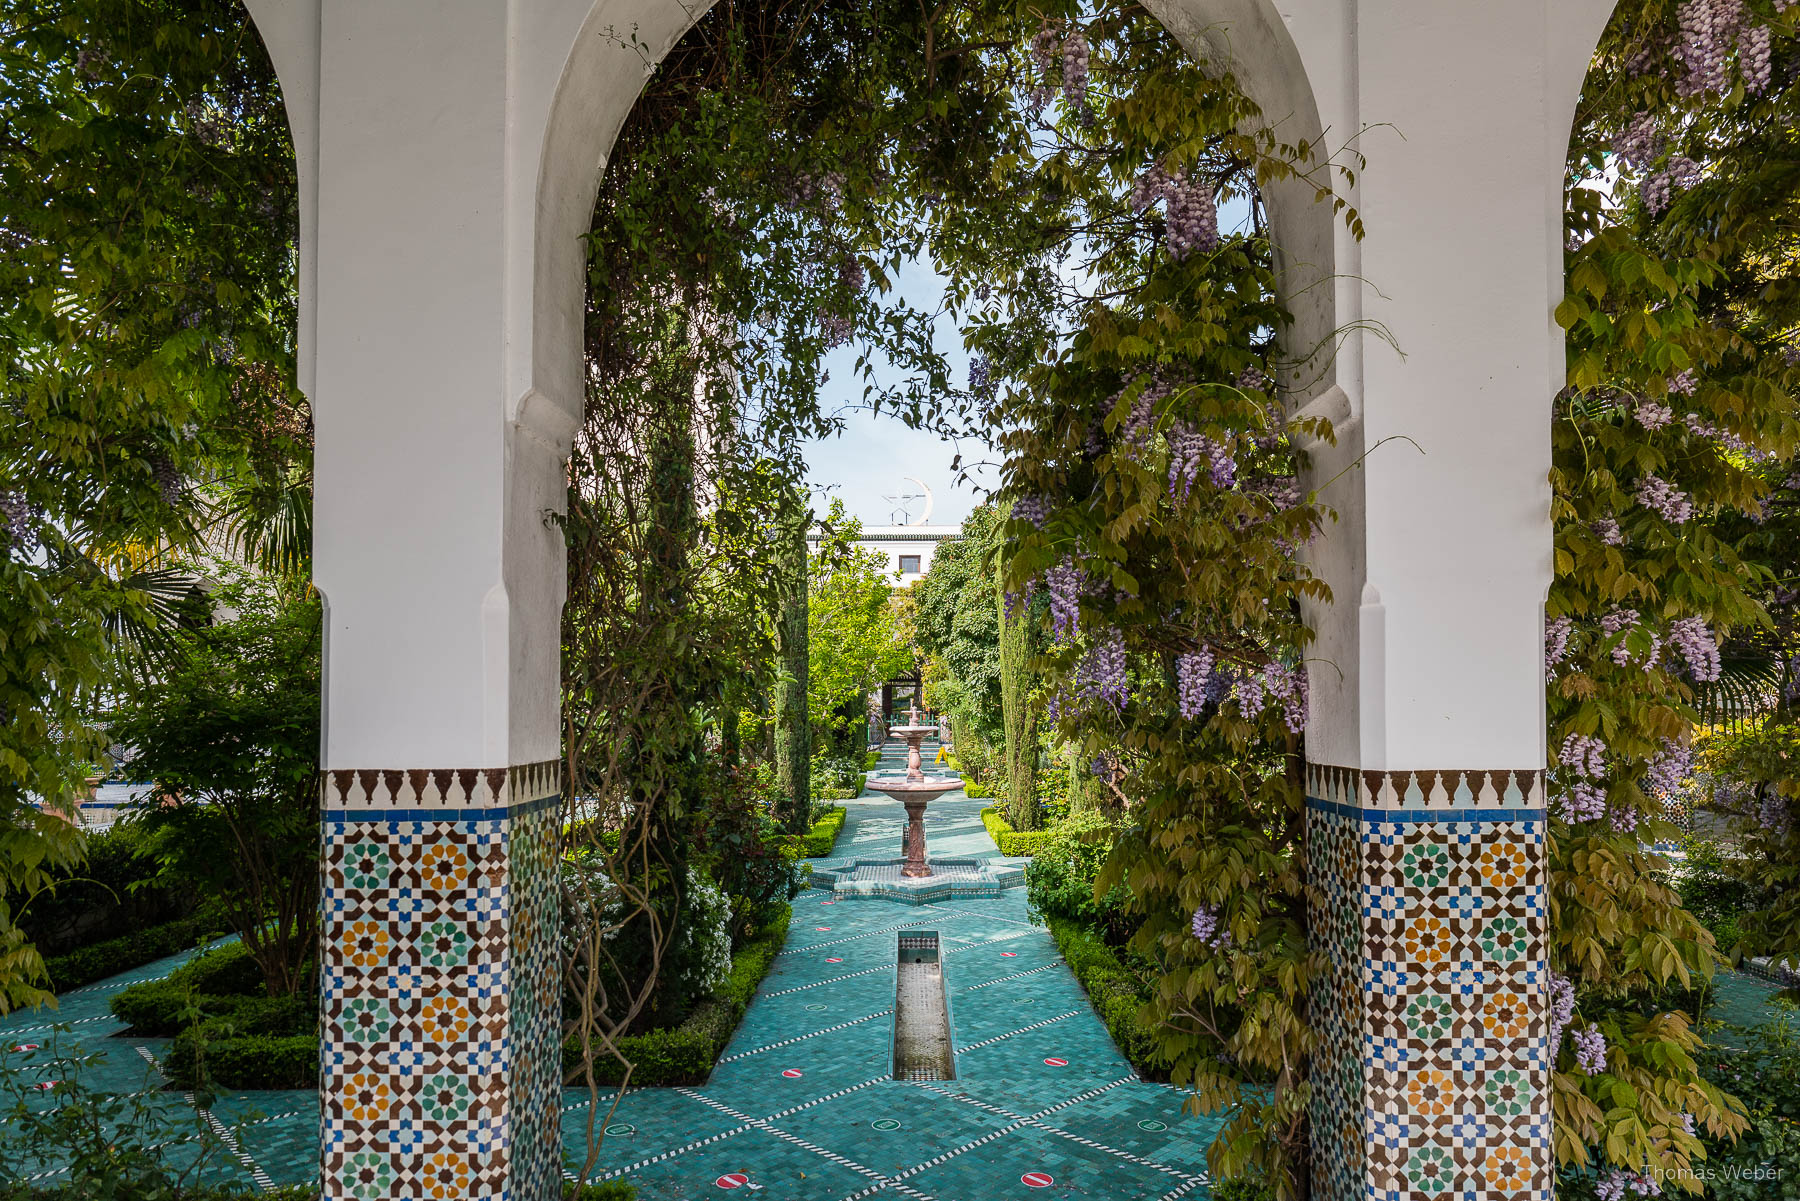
(925,517)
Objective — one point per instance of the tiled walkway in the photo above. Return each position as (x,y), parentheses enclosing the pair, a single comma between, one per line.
(802,1105)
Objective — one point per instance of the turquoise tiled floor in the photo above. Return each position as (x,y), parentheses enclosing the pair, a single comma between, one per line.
(840,1128)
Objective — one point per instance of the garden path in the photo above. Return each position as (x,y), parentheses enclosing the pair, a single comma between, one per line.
(802,1105)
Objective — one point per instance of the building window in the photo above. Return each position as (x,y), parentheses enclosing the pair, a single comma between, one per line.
(909,565)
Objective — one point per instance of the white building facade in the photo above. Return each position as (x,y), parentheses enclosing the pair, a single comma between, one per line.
(909,548)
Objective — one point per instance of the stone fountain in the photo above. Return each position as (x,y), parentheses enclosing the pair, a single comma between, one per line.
(914,790)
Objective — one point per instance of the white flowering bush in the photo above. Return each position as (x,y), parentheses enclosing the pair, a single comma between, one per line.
(701,952)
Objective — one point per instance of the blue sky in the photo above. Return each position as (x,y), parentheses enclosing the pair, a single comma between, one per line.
(865,464)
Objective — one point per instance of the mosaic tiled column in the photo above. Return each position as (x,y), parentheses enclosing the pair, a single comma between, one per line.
(1432,1078)
(440,1073)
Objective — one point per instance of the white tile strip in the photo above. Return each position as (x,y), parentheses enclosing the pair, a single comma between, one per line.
(800,1038)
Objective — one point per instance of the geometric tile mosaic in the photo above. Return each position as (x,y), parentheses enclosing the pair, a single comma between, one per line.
(440,984)
(1431,1078)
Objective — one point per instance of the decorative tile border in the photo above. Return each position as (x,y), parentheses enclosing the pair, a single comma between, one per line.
(1432,1074)
(441,984)
(1424,790)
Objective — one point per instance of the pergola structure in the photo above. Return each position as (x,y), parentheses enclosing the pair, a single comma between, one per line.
(449,153)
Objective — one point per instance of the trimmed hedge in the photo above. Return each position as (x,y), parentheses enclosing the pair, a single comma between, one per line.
(243,1060)
(245,1038)
(1117,993)
(1009,840)
(264,1042)
(216,983)
(103,959)
(685,1054)
(975,790)
(818,841)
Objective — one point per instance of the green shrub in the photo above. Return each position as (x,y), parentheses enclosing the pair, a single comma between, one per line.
(1009,840)
(605,1190)
(819,841)
(103,959)
(1116,992)
(242,1060)
(1059,881)
(974,789)
(685,1054)
(229,970)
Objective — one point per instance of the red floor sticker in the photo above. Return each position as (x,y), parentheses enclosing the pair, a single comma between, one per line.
(792,1073)
(1057,1061)
(1037,1179)
(821,929)
(732,1180)
(26,1046)
(833,959)
(1009,954)
(45,1086)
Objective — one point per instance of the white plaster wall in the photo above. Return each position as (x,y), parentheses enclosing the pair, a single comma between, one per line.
(1431,653)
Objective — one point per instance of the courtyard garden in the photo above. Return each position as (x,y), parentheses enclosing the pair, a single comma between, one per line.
(1132,950)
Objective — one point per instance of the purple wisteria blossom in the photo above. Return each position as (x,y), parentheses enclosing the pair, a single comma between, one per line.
(17,529)
(1191,675)
(1590,1050)
(1651,415)
(1664,499)
(1683,383)
(1100,676)
(1582,802)
(1034,510)
(1075,69)
(1608,531)
(1292,690)
(1562,1007)
(1641,143)
(1622,818)
(1668,768)
(1585,756)
(1065,583)
(1187,449)
(1250,697)
(1690,638)
(1617,1184)
(1191,215)
(1207,928)
(1556,641)
(1774,815)
(981,378)
(1678,174)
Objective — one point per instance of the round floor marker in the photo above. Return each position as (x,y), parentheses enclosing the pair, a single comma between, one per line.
(1056,1061)
(26,1046)
(816,1008)
(1152,1125)
(732,1180)
(618,1128)
(822,929)
(792,1073)
(833,959)
(44,1086)
(885,1124)
(827,902)
(1009,954)
(1037,1180)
